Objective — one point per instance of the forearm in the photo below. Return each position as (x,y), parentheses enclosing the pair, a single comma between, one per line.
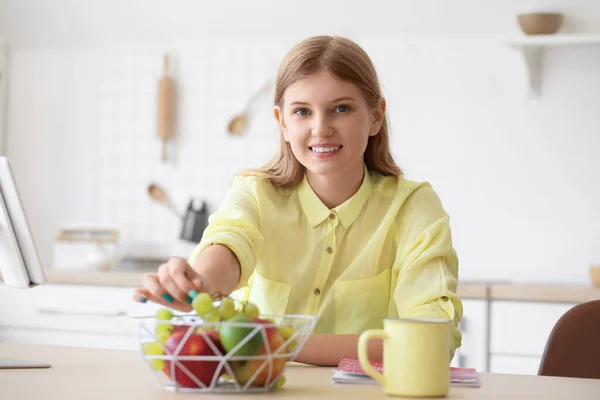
(328,350)
(219,267)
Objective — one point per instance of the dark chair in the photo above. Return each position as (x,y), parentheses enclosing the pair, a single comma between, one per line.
(573,347)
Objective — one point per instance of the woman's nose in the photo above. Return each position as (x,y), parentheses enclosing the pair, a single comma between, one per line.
(321,127)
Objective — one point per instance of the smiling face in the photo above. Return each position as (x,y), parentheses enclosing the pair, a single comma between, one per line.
(327,123)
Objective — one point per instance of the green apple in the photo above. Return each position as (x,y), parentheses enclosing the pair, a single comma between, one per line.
(245,370)
(230,335)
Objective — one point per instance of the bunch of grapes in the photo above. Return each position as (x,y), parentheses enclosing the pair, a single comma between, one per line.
(205,308)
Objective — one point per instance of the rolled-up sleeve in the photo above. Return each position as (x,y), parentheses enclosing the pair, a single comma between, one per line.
(427,266)
(235,225)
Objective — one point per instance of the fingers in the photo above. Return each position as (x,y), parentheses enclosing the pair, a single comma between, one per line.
(141,295)
(156,293)
(184,277)
(173,292)
(174,285)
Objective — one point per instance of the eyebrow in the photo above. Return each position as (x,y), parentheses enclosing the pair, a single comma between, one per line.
(344,98)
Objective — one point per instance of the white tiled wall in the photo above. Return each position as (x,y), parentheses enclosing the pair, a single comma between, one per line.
(213,84)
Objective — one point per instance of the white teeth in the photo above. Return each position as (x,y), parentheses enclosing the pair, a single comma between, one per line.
(325,149)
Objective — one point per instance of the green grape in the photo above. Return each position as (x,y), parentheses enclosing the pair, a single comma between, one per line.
(251,310)
(227,308)
(160,328)
(202,304)
(211,315)
(280,382)
(163,336)
(154,349)
(164,314)
(287,331)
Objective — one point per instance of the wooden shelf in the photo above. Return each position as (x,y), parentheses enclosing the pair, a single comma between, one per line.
(532,48)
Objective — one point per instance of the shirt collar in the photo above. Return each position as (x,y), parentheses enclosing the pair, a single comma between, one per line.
(316,212)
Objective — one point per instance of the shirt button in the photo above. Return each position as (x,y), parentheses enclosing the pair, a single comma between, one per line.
(332,216)
(329,249)
(317,291)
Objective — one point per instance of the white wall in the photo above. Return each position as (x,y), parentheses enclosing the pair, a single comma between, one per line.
(516,174)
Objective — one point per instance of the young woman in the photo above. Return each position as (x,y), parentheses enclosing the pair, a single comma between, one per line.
(330,227)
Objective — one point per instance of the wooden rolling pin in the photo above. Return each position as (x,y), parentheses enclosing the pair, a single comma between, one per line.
(166,107)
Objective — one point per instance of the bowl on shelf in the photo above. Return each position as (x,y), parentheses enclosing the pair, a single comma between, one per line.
(540,23)
(187,353)
(595,275)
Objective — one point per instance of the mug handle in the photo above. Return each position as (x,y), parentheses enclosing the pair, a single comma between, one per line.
(363,354)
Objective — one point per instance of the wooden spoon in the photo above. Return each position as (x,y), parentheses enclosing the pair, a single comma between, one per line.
(160,195)
(237,125)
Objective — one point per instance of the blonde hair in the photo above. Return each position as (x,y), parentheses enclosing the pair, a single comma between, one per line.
(347,61)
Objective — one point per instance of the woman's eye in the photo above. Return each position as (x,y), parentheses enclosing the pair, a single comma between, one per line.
(342,109)
(301,111)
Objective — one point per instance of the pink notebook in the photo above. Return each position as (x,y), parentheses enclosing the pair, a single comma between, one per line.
(350,371)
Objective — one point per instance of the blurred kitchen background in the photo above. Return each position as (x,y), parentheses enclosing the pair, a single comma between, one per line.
(505,126)
(517,170)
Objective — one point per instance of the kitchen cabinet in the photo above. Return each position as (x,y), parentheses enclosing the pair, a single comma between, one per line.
(518,334)
(474,328)
(520,365)
(74,315)
(506,336)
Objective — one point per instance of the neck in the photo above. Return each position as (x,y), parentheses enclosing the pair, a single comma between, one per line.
(334,190)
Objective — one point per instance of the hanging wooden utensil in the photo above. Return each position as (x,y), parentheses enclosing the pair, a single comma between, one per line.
(238,124)
(160,195)
(166,107)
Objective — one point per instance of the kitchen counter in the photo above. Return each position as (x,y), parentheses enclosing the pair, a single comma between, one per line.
(80,373)
(103,278)
(466,290)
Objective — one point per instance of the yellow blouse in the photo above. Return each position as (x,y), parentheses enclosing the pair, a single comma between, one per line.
(386,252)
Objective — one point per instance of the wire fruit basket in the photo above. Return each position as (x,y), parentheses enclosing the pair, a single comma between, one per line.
(189,353)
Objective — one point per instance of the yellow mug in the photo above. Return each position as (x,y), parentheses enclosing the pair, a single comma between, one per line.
(416,356)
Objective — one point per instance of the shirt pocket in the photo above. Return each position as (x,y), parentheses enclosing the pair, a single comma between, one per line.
(270,296)
(362,304)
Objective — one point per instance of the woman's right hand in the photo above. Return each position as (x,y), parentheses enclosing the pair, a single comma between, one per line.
(174,285)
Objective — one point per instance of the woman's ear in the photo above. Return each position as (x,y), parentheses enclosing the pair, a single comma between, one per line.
(378,117)
(277,112)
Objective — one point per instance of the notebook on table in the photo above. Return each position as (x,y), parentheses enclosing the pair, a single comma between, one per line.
(350,371)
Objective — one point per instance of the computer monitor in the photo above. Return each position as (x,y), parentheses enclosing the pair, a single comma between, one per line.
(19,262)
(20,265)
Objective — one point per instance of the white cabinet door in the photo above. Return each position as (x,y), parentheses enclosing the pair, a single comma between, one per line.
(68,338)
(473,352)
(75,315)
(522,328)
(520,365)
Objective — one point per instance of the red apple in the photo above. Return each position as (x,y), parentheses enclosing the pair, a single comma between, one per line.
(244,370)
(195,345)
